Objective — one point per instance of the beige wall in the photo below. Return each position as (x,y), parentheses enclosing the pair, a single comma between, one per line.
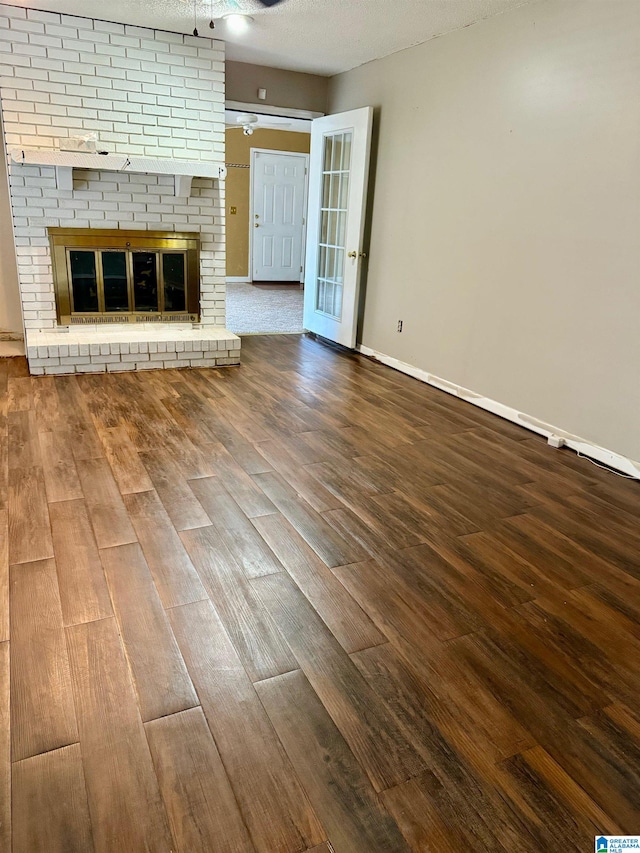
(10,315)
(506,214)
(238,151)
(284,88)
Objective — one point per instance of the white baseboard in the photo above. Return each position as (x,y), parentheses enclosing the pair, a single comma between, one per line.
(238,279)
(580,445)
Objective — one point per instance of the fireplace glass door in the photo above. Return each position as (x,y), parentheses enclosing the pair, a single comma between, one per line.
(82,266)
(145,281)
(103,277)
(115,282)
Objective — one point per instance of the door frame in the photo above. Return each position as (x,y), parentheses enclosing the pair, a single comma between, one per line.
(305,197)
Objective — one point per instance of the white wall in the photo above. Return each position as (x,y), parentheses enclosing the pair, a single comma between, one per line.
(506,215)
(10,316)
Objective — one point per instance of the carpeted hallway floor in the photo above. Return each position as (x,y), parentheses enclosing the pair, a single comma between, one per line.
(264,308)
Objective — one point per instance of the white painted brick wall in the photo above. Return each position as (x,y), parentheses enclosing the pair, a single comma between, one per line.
(143,92)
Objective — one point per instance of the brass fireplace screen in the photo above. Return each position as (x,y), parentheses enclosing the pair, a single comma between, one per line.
(103,276)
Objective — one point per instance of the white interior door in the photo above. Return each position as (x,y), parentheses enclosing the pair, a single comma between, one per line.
(338,177)
(277,218)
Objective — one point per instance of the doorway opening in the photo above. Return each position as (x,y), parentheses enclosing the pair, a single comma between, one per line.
(266,199)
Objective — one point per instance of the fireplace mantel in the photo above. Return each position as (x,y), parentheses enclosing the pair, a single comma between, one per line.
(65,162)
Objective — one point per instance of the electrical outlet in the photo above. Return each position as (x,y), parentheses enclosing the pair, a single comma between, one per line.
(399,325)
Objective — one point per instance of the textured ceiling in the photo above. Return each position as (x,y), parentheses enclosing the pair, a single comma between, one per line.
(317,36)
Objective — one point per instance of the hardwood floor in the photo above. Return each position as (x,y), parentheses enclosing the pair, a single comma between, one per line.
(307,605)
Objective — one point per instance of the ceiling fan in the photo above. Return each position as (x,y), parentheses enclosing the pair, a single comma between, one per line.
(266,3)
(249,121)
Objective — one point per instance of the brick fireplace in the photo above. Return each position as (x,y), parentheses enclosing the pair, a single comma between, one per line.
(155,101)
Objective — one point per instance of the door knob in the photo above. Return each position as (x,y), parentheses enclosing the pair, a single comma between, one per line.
(257,225)
(352,254)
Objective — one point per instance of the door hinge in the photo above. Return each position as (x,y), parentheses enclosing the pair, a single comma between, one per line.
(300,269)
(305,170)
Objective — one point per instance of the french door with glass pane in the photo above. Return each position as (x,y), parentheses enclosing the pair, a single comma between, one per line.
(338,176)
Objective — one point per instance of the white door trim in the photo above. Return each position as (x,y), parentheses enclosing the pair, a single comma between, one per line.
(253,152)
(347,253)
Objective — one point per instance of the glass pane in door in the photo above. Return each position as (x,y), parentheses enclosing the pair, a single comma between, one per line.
(84,281)
(114,277)
(174,275)
(145,281)
(333,217)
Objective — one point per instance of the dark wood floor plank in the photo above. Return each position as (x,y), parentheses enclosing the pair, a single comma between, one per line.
(588,751)
(107,512)
(126,466)
(249,497)
(426,816)
(586,530)
(22,436)
(171,485)
(5,749)
(29,528)
(273,805)
(400,620)
(565,814)
(159,672)
(175,577)
(558,562)
(248,457)
(46,404)
(83,589)
(454,725)
(19,393)
(124,798)
(348,623)
(50,809)
(307,486)
(327,544)
(370,731)
(42,713)
(202,809)
(84,441)
(378,523)
(237,532)
(59,467)
(252,631)
(502,572)
(341,793)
